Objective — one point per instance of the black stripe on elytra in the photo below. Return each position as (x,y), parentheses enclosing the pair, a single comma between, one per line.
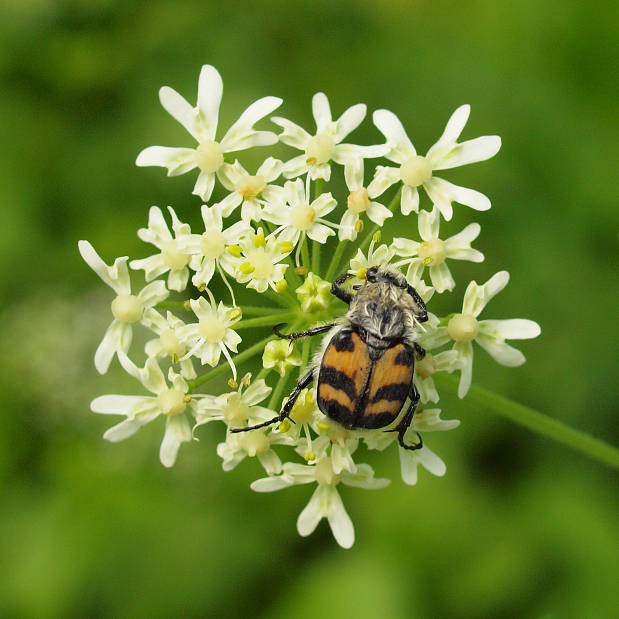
(377,420)
(393,393)
(343,342)
(405,357)
(336,411)
(338,380)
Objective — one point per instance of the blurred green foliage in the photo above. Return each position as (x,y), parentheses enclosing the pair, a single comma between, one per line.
(519,527)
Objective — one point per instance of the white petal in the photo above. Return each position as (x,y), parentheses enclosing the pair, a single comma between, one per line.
(118,404)
(384,177)
(320,233)
(452,132)
(204,185)
(471,151)
(405,247)
(176,160)
(364,478)
(122,430)
(378,213)
(324,204)
(349,121)
(229,203)
(441,278)
(353,174)
(500,351)
(177,280)
(242,135)
(295,192)
(321,111)
(204,275)
(293,135)
(270,462)
(408,466)
(410,200)
(313,512)
(256,392)
(210,89)
(270,484)
(177,431)
(437,191)
(153,293)
(295,167)
(110,343)
(339,521)
(429,222)
(229,174)
(512,329)
(116,276)
(391,127)
(347,226)
(431,462)
(270,169)
(465,354)
(179,109)
(477,297)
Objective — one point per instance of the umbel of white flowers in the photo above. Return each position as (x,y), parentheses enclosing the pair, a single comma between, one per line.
(276,245)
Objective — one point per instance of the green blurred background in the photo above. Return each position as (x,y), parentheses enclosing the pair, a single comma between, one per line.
(519,527)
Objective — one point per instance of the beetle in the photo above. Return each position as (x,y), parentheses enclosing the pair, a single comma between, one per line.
(364,370)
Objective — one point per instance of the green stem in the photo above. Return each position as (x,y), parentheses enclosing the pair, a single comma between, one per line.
(256,349)
(171,305)
(537,422)
(264,321)
(252,310)
(305,259)
(280,299)
(305,355)
(335,261)
(392,206)
(316,257)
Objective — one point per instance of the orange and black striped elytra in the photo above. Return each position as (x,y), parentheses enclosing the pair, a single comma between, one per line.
(366,368)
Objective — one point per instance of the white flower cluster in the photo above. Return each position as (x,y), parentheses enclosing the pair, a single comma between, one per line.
(265,246)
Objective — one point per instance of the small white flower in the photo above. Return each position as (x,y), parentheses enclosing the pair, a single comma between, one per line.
(416,171)
(464,328)
(251,190)
(238,407)
(171,257)
(297,217)
(257,260)
(201,122)
(433,252)
(325,145)
(281,355)
(326,501)
(360,263)
(446,361)
(127,308)
(211,335)
(172,402)
(359,202)
(209,249)
(168,344)
(410,461)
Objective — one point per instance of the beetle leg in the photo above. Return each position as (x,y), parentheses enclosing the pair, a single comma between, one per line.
(402,427)
(422,314)
(337,289)
(304,382)
(420,352)
(300,334)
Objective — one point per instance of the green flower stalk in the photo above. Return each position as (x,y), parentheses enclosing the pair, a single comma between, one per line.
(265,246)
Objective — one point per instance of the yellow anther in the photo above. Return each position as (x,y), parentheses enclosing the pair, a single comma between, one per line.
(428,260)
(323,425)
(284,426)
(259,241)
(187,398)
(376,236)
(246,268)
(361,273)
(232,383)
(281,286)
(246,380)
(301,270)
(235,251)
(359,226)
(234,313)
(187,305)
(309,455)
(202,287)
(308,397)
(175,358)
(285,246)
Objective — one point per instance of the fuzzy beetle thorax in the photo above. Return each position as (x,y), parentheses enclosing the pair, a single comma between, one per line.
(383,310)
